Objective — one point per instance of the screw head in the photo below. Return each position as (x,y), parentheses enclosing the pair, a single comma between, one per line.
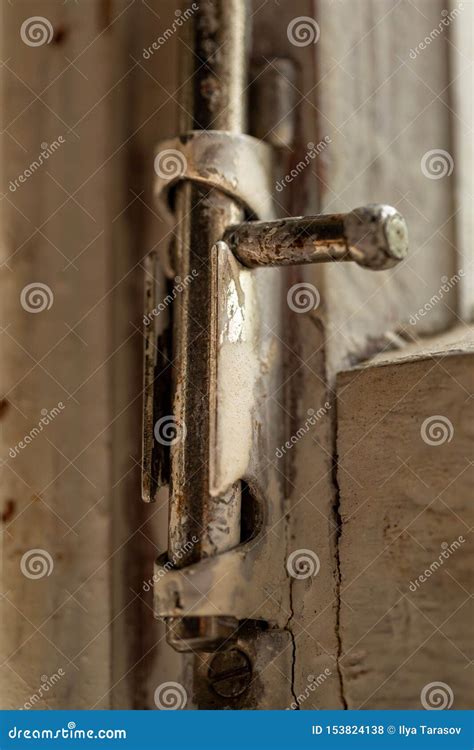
(230,673)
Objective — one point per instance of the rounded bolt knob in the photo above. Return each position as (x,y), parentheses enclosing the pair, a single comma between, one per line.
(377,236)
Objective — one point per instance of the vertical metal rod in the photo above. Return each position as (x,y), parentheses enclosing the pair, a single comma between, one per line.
(215,77)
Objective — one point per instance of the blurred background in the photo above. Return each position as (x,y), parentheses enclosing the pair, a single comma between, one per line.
(83,104)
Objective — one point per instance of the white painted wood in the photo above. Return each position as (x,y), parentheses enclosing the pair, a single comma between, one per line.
(386,103)
(462,110)
(406,555)
(383,111)
(305,471)
(82,224)
(142,658)
(56,492)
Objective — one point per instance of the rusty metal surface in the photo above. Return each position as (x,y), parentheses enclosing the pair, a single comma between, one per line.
(226,353)
(214,69)
(237,164)
(227,350)
(373,236)
(244,582)
(156,377)
(249,581)
(214,77)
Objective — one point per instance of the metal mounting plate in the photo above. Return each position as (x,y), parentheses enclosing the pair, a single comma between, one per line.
(245,582)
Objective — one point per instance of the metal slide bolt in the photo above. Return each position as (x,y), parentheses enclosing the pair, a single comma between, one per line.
(374,236)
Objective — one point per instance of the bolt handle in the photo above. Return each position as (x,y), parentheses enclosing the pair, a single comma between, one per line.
(374,236)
